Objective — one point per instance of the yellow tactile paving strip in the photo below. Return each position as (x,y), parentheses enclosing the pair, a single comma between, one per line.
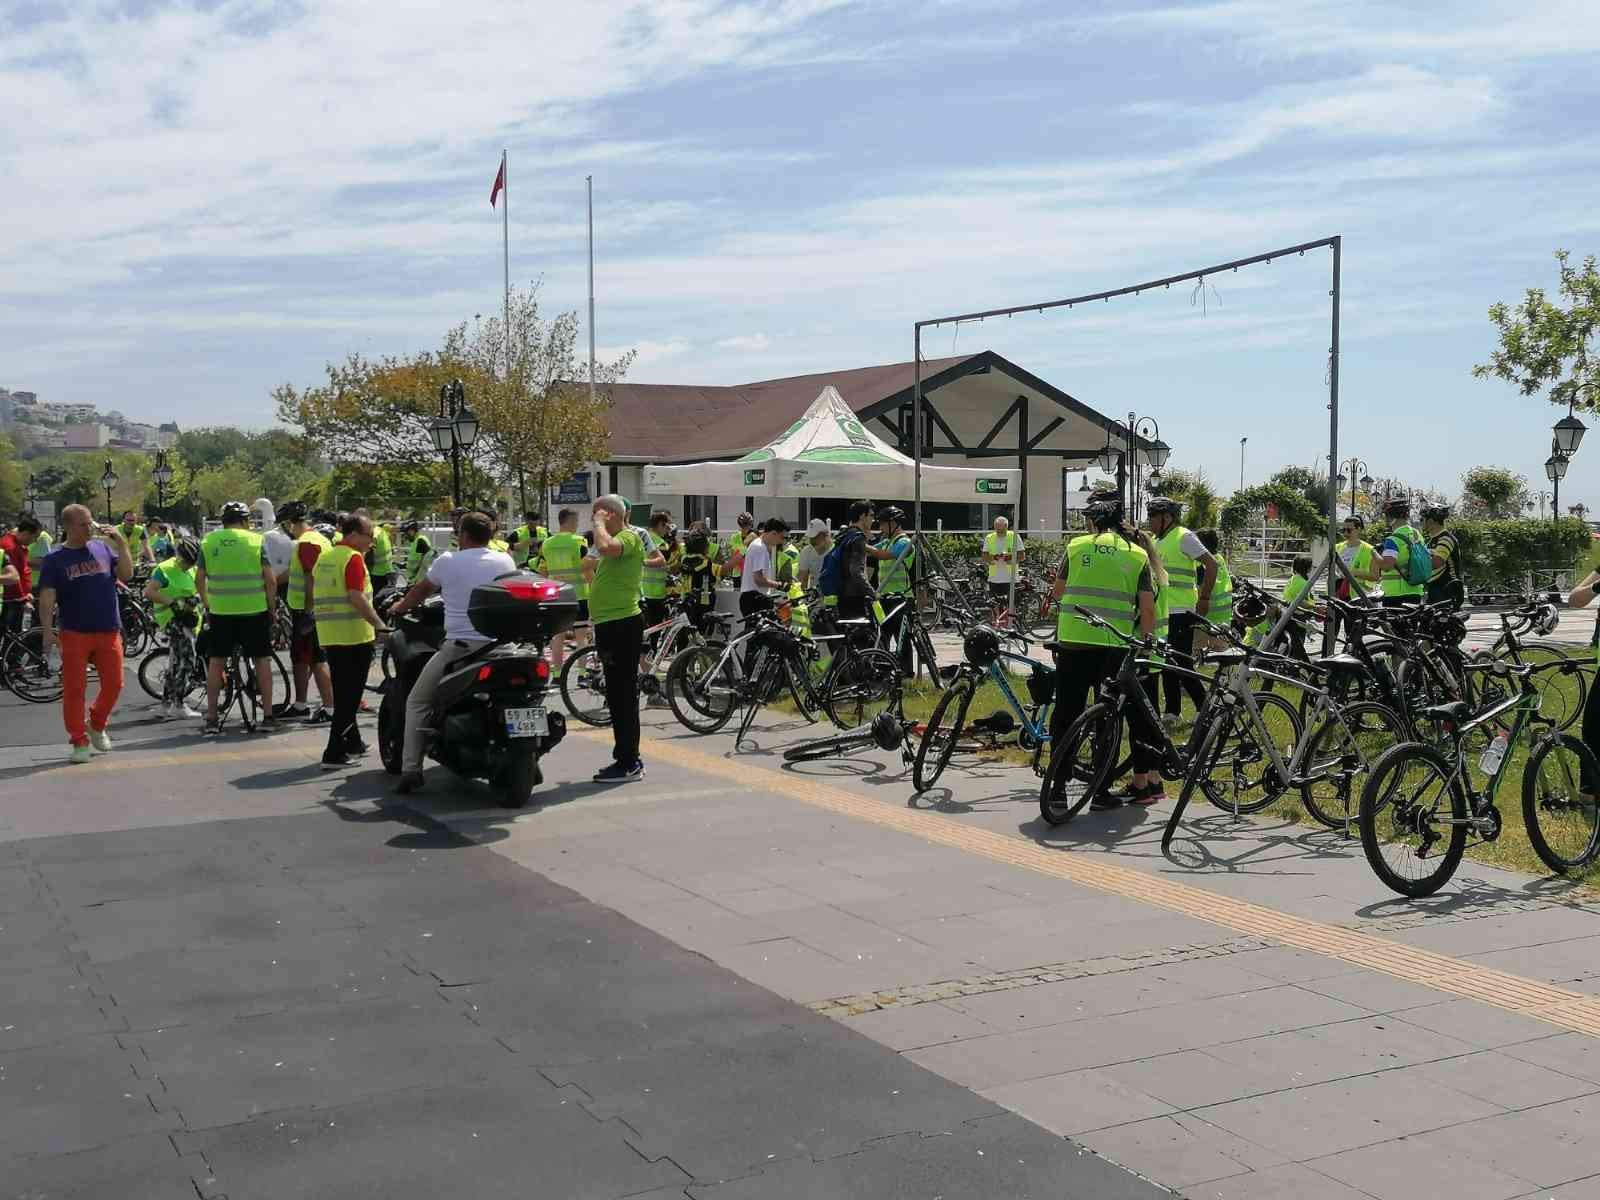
(1456,977)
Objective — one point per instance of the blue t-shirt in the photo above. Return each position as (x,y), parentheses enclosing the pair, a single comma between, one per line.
(85,584)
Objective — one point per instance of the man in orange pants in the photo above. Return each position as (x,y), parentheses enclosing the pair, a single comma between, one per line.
(80,619)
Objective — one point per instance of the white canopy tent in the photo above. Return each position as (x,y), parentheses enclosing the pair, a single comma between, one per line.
(828,452)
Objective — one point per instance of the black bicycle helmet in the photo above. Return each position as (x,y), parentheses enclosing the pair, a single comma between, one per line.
(897,515)
(1104,507)
(1436,512)
(981,646)
(234,510)
(1249,609)
(188,549)
(327,531)
(409,526)
(887,732)
(292,511)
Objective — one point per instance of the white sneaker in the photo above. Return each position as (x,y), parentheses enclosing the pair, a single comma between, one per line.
(100,740)
(183,712)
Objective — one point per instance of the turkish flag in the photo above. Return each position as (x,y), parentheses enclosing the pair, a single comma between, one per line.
(499,183)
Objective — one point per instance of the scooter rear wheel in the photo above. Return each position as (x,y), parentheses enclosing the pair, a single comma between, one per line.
(391,730)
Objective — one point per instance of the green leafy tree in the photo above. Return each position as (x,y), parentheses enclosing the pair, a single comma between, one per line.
(211,446)
(1194,491)
(1493,492)
(1544,343)
(1313,486)
(232,480)
(12,477)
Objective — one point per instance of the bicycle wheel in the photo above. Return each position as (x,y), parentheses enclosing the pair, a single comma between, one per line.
(769,669)
(1215,737)
(27,669)
(1413,819)
(865,684)
(1561,693)
(702,694)
(1558,803)
(153,673)
(1339,758)
(1081,763)
(828,747)
(136,631)
(583,687)
(1242,777)
(939,738)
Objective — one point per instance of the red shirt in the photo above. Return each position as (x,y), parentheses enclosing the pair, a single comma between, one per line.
(17,555)
(355,573)
(308,553)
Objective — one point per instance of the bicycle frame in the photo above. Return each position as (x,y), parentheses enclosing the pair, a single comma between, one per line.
(1036,728)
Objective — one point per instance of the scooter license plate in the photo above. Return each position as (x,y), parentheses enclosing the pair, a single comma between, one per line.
(527,722)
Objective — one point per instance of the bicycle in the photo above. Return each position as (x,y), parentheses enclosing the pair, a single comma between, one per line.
(154,666)
(1419,796)
(239,687)
(888,731)
(911,631)
(1087,754)
(138,626)
(26,669)
(583,677)
(706,685)
(1033,719)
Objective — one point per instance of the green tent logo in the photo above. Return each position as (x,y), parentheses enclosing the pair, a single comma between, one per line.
(992,487)
(854,432)
(755,478)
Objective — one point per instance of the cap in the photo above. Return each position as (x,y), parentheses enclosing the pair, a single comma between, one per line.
(817,528)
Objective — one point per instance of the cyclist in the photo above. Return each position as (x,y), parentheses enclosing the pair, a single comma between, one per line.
(1001,553)
(1446,584)
(239,590)
(759,584)
(1221,609)
(380,559)
(80,619)
(341,601)
(297,586)
(175,601)
(420,555)
(653,579)
(525,540)
(696,578)
(137,537)
(896,555)
(1581,597)
(40,545)
(1105,573)
(161,543)
(734,550)
(1184,555)
(561,557)
(1391,562)
(16,552)
(819,540)
(618,631)
(855,592)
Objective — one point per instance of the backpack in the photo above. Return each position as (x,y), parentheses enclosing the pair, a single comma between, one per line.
(830,577)
(1419,559)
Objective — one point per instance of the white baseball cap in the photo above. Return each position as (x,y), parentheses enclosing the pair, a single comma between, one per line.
(817,528)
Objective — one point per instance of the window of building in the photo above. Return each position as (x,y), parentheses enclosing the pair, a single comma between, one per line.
(700,508)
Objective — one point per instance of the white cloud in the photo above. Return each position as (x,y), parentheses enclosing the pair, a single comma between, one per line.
(746,343)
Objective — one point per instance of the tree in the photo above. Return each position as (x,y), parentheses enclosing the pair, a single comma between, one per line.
(1194,491)
(12,478)
(232,480)
(1312,486)
(1493,492)
(535,412)
(1545,346)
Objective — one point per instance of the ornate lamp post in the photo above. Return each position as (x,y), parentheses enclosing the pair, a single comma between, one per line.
(454,431)
(1351,469)
(163,476)
(1543,498)
(1567,435)
(108,480)
(1129,473)
(33,492)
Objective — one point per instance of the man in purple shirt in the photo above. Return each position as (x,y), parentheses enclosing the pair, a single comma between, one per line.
(79,616)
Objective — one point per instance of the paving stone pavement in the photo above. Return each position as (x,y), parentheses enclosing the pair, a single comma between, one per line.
(742,930)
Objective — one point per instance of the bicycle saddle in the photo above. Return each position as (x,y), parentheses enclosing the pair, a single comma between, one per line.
(1453,710)
(1338,662)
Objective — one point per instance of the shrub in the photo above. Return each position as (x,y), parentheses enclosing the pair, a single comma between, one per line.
(1497,555)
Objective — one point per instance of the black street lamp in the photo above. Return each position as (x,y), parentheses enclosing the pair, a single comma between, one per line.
(33,493)
(108,480)
(1154,455)
(163,476)
(1567,435)
(1355,467)
(454,431)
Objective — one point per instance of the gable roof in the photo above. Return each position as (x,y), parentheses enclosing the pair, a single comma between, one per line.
(665,421)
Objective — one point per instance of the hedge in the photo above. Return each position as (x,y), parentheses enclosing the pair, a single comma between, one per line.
(1497,555)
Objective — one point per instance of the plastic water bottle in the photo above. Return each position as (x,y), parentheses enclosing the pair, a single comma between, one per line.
(1489,761)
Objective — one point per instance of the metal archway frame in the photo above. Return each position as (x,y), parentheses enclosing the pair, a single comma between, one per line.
(1334,243)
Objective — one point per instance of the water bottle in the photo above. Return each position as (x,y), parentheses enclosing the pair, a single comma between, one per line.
(1489,761)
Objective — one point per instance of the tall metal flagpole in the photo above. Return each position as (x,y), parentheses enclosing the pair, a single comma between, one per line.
(590,180)
(505,241)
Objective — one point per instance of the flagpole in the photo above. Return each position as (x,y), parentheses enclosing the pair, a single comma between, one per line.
(590,180)
(505,243)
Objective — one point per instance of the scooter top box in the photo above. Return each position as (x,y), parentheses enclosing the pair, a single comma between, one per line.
(523,607)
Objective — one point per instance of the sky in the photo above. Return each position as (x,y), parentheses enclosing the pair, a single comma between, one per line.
(205,200)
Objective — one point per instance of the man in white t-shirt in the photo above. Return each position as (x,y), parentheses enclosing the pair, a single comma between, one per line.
(454,573)
(759,582)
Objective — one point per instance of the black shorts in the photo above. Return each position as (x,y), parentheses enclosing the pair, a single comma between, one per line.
(583,610)
(304,648)
(999,592)
(250,634)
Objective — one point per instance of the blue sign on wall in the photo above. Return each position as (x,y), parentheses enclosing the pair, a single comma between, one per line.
(574,490)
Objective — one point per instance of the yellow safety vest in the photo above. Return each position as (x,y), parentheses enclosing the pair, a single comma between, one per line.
(562,557)
(180,583)
(1103,578)
(991,545)
(232,561)
(297,576)
(338,622)
(382,552)
(1181,581)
